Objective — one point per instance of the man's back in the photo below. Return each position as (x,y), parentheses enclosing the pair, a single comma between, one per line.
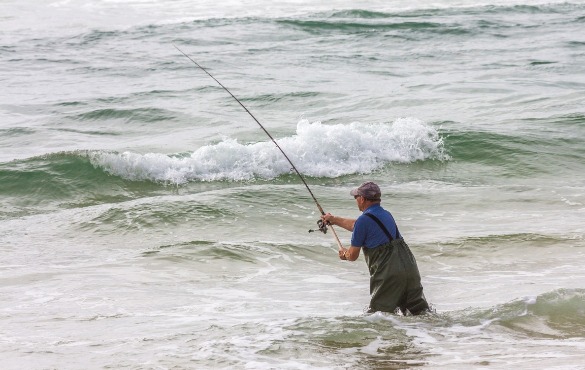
(367,233)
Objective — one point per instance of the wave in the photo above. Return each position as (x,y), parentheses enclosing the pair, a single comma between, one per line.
(417,20)
(548,145)
(148,115)
(396,339)
(557,314)
(317,19)
(15,132)
(85,178)
(512,243)
(275,98)
(316,25)
(60,181)
(152,216)
(317,150)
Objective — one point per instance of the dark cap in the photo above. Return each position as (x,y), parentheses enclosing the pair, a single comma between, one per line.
(368,190)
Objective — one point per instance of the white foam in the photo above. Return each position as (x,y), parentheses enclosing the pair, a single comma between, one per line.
(316,150)
(530,300)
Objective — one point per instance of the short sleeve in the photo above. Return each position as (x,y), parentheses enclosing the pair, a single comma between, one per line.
(358,236)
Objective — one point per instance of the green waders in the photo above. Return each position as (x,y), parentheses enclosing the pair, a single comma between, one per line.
(394,277)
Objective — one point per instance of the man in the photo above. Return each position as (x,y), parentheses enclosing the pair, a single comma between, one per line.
(394,276)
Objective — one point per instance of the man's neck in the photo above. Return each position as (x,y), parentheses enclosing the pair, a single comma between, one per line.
(370,204)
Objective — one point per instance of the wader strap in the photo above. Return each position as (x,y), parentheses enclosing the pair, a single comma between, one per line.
(384,229)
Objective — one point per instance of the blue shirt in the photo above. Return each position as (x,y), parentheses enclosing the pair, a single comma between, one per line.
(367,233)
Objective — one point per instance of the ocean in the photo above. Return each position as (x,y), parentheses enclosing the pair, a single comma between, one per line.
(147,221)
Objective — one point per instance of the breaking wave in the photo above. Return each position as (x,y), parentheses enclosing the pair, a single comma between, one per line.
(316,149)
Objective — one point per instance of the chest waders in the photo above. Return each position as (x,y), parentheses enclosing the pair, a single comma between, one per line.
(394,276)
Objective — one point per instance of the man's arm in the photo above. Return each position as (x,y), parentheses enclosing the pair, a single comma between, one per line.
(346,223)
(352,253)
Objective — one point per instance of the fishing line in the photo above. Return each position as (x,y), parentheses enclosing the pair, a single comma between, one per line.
(322,226)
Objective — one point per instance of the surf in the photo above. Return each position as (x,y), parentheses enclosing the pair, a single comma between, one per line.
(319,150)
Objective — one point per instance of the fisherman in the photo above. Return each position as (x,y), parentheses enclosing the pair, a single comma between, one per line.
(394,277)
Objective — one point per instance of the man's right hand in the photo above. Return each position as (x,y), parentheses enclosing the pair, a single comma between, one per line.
(328,218)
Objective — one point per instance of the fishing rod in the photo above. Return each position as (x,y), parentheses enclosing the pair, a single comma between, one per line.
(320,223)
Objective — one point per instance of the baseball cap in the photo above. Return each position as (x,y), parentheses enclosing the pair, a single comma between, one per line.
(368,190)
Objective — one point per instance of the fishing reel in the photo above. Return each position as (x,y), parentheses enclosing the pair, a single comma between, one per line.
(322,227)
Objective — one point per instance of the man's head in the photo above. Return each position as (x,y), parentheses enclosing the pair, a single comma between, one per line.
(369,191)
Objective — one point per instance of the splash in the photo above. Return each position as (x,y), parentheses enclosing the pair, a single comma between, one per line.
(317,150)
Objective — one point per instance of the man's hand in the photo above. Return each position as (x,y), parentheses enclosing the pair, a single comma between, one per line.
(346,223)
(328,218)
(342,252)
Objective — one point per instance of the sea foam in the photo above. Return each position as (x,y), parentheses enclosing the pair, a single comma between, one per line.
(316,150)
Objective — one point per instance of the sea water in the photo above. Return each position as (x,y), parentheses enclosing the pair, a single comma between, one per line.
(147,222)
